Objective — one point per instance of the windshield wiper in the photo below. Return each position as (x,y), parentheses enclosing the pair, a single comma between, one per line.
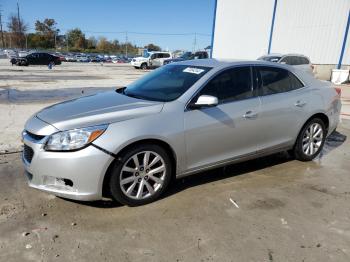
(121,90)
(134,96)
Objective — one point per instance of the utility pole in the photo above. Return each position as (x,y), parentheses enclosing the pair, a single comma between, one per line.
(195,42)
(2,33)
(126,44)
(19,26)
(67,41)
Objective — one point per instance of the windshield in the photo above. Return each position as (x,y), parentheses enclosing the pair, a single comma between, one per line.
(166,83)
(270,58)
(146,55)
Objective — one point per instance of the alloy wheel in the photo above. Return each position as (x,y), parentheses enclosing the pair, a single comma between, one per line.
(142,175)
(312,139)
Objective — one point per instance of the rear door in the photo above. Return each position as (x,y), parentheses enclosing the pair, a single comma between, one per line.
(164,57)
(156,60)
(284,105)
(228,130)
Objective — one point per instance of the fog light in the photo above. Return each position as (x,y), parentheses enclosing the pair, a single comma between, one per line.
(58,183)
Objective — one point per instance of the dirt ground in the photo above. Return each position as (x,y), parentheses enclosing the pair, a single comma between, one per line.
(271,209)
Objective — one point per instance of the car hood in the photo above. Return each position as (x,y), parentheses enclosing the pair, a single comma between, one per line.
(140,58)
(101,108)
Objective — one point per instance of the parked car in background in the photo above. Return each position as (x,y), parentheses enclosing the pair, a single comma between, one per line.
(23,53)
(300,61)
(36,59)
(150,60)
(70,58)
(188,56)
(178,120)
(61,56)
(119,60)
(94,58)
(82,58)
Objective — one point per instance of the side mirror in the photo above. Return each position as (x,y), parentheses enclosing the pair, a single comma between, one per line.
(205,101)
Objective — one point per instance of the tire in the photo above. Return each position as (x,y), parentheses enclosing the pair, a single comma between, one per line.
(144,66)
(127,177)
(310,140)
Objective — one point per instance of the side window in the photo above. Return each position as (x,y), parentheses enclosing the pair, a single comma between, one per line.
(166,55)
(277,80)
(287,60)
(304,61)
(230,85)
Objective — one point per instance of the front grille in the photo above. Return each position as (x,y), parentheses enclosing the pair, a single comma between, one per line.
(28,153)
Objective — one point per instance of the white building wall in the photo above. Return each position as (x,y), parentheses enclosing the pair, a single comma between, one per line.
(242,28)
(311,27)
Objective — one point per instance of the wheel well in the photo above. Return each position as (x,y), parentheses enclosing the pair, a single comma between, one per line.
(164,145)
(321,116)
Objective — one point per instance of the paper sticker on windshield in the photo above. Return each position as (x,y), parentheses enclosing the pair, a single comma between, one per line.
(193,70)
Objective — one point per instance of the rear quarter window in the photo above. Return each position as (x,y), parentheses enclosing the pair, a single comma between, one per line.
(277,80)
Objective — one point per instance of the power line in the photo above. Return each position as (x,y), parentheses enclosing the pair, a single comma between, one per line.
(139,33)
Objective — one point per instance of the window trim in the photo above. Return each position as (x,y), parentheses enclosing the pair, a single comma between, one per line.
(253,86)
(259,80)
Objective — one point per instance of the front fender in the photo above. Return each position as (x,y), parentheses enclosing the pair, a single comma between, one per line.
(166,127)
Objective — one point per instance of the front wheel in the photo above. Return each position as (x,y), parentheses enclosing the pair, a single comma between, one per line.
(144,66)
(310,140)
(141,176)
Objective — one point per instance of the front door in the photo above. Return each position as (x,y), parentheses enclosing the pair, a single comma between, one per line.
(228,130)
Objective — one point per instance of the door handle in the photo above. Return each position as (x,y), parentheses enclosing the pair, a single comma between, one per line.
(300,103)
(250,115)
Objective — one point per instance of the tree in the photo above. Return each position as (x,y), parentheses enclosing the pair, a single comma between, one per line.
(17,29)
(91,42)
(104,45)
(47,32)
(76,39)
(153,47)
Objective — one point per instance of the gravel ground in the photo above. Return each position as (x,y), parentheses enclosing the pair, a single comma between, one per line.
(269,209)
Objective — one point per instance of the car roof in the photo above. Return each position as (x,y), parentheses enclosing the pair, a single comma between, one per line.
(222,63)
(282,55)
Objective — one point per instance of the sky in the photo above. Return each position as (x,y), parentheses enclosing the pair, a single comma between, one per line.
(112,18)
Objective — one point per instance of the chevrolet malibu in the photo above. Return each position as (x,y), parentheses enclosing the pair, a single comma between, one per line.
(178,120)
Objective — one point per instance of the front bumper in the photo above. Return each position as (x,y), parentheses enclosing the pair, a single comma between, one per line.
(75,175)
(136,63)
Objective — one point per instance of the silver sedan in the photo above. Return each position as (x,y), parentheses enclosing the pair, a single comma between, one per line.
(178,120)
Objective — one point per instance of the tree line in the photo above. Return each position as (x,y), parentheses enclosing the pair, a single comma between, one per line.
(48,36)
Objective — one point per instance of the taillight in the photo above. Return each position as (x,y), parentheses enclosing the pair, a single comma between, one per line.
(338,89)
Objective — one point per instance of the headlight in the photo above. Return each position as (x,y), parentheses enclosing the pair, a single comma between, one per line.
(74,139)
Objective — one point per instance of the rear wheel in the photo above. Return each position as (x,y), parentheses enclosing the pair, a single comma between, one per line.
(310,140)
(141,176)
